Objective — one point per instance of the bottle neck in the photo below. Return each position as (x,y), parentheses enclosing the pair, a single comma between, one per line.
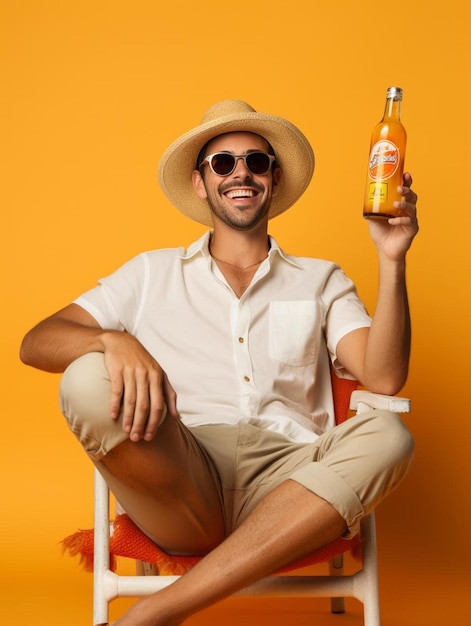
(392,110)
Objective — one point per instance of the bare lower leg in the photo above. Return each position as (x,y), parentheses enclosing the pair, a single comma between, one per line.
(286,525)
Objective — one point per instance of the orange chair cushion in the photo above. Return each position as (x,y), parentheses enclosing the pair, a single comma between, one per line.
(127,540)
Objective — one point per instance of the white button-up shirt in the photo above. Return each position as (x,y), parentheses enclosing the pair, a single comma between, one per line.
(263,358)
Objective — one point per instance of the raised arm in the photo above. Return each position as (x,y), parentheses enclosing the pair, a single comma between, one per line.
(379,356)
(138,384)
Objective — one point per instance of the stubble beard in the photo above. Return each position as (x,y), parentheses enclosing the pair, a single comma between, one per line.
(240,218)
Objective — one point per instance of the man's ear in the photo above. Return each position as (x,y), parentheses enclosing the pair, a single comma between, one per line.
(198,184)
(277,178)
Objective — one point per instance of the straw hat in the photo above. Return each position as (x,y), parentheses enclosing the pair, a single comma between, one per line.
(292,150)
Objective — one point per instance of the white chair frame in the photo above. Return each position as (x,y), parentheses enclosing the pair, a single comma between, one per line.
(362,585)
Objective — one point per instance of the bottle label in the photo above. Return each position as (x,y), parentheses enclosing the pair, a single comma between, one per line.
(384,160)
(377,192)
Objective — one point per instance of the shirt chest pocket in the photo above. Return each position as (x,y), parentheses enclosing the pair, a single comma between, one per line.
(294,329)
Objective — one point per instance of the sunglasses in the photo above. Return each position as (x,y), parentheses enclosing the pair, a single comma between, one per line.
(224,163)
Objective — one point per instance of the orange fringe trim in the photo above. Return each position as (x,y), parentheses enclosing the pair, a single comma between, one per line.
(127,540)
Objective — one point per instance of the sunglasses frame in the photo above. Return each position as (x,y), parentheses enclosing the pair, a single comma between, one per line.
(244,157)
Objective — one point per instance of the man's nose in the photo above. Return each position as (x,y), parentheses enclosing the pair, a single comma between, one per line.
(241,170)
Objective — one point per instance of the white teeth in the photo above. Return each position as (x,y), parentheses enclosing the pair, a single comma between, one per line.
(240,193)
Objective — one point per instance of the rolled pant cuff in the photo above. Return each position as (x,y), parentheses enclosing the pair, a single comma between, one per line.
(325,483)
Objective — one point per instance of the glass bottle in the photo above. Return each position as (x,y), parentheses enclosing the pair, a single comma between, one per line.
(386,161)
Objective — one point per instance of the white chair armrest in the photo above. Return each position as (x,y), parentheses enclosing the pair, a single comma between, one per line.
(362,401)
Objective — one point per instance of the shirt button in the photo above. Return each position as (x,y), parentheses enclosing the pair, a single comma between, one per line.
(241,340)
(247,379)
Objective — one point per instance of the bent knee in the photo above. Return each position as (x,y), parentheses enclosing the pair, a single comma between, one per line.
(398,439)
(85,393)
(85,386)
(395,445)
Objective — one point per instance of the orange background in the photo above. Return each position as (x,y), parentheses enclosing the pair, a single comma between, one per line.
(93,92)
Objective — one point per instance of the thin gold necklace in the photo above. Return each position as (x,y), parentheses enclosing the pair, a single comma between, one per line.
(239,267)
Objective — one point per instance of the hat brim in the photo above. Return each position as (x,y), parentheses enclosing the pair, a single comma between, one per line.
(293,154)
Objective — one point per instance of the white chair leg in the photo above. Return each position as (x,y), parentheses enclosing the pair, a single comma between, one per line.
(101,561)
(370,586)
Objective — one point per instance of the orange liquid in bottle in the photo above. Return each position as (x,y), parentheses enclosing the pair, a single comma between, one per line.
(386,161)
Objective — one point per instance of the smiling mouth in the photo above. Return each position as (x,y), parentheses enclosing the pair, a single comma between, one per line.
(240,193)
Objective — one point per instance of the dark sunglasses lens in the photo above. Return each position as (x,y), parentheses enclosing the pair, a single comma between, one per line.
(258,162)
(222,163)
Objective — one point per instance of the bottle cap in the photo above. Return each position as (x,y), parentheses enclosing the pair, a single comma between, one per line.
(394,93)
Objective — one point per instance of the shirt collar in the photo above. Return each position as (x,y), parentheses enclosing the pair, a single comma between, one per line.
(276,250)
(201,245)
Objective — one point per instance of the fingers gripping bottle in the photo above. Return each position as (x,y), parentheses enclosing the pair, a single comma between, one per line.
(386,162)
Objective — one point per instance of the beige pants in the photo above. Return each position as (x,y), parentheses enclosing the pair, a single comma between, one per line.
(353,466)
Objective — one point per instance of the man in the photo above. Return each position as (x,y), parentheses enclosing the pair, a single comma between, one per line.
(198,380)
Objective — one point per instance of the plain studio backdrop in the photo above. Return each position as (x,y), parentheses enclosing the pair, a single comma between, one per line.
(92,94)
